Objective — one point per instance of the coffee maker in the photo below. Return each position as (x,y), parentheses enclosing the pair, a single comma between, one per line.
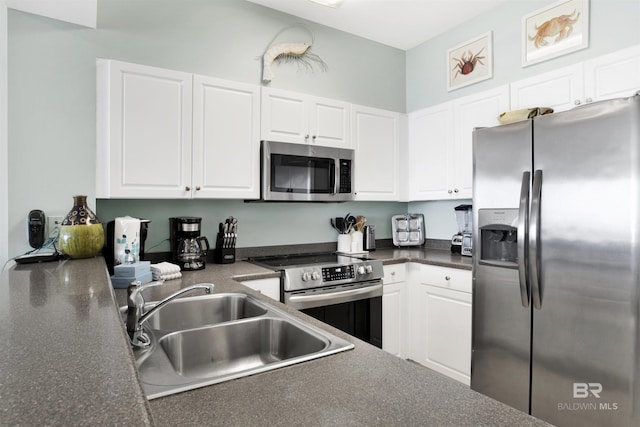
(188,248)
(461,243)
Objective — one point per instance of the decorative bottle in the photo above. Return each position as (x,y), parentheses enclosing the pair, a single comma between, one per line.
(81,233)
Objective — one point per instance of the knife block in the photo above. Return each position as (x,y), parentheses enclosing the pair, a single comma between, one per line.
(221,254)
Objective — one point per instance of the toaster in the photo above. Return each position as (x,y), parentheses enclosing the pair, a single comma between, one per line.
(408,230)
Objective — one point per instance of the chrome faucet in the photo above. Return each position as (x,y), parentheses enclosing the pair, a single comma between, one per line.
(135,308)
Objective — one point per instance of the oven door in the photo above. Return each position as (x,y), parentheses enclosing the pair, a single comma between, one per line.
(355,309)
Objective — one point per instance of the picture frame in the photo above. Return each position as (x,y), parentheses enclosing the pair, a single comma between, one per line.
(470,62)
(555,30)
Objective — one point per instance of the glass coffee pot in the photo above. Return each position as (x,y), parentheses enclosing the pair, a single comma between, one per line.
(188,247)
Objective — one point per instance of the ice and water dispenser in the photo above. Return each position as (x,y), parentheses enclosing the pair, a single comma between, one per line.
(498,237)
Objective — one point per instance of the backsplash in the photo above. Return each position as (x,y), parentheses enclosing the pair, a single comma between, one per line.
(259,224)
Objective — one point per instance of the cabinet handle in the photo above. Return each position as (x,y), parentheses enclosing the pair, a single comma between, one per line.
(588,100)
(455,190)
(576,102)
(187,188)
(314,138)
(449,191)
(447,278)
(306,138)
(198,188)
(393,273)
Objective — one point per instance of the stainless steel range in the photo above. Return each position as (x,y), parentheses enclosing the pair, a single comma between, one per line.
(343,291)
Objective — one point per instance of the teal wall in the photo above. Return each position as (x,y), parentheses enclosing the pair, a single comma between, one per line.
(259,224)
(51,73)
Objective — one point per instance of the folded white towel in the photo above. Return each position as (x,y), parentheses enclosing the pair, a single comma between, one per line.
(165,271)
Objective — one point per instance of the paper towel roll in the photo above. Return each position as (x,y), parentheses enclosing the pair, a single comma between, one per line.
(126,240)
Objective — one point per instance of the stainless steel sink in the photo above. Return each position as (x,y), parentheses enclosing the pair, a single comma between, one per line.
(192,312)
(199,341)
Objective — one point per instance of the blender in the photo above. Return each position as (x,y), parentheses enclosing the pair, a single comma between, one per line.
(461,243)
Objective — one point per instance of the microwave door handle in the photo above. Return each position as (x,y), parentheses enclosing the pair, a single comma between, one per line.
(534,240)
(522,238)
(336,176)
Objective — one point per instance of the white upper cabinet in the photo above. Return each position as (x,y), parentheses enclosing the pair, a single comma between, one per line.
(478,110)
(441,144)
(304,119)
(431,152)
(376,137)
(558,89)
(606,77)
(226,141)
(614,75)
(144,131)
(170,134)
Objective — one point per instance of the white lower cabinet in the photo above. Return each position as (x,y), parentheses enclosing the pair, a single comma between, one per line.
(439,320)
(269,287)
(393,309)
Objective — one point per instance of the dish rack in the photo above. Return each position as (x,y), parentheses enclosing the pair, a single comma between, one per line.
(408,229)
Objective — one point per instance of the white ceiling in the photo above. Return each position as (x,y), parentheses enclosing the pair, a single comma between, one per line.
(403,24)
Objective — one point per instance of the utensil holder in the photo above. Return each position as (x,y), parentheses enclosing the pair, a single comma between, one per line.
(356,241)
(344,243)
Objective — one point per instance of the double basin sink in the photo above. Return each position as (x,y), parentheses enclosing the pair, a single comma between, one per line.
(209,339)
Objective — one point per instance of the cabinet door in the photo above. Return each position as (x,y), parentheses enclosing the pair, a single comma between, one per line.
(226,141)
(446,332)
(393,319)
(376,139)
(269,287)
(613,76)
(144,131)
(329,122)
(559,89)
(284,116)
(430,152)
(478,110)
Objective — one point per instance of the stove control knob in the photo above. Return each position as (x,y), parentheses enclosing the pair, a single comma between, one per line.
(306,276)
(315,275)
(368,269)
(361,270)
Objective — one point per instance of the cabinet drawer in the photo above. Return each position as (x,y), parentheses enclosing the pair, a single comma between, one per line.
(450,278)
(394,273)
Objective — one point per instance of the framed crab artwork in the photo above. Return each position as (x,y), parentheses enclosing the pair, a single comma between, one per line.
(558,29)
(470,62)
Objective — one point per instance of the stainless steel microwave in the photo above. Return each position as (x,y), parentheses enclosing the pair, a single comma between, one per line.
(305,173)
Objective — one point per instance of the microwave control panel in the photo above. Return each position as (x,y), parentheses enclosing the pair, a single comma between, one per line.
(345,176)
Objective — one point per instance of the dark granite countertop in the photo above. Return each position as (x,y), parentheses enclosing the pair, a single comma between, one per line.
(443,258)
(65,360)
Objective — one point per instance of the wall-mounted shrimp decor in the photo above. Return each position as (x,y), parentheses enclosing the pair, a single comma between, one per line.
(291,52)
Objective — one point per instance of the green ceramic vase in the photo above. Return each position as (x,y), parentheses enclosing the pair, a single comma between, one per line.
(81,233)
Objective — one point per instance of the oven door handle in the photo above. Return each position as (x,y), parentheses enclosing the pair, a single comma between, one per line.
(301,302)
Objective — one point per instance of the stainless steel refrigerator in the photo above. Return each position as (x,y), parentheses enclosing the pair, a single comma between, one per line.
(556,270)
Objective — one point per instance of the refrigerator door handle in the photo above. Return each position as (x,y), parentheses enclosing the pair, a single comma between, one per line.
(534,239)
(523,238)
